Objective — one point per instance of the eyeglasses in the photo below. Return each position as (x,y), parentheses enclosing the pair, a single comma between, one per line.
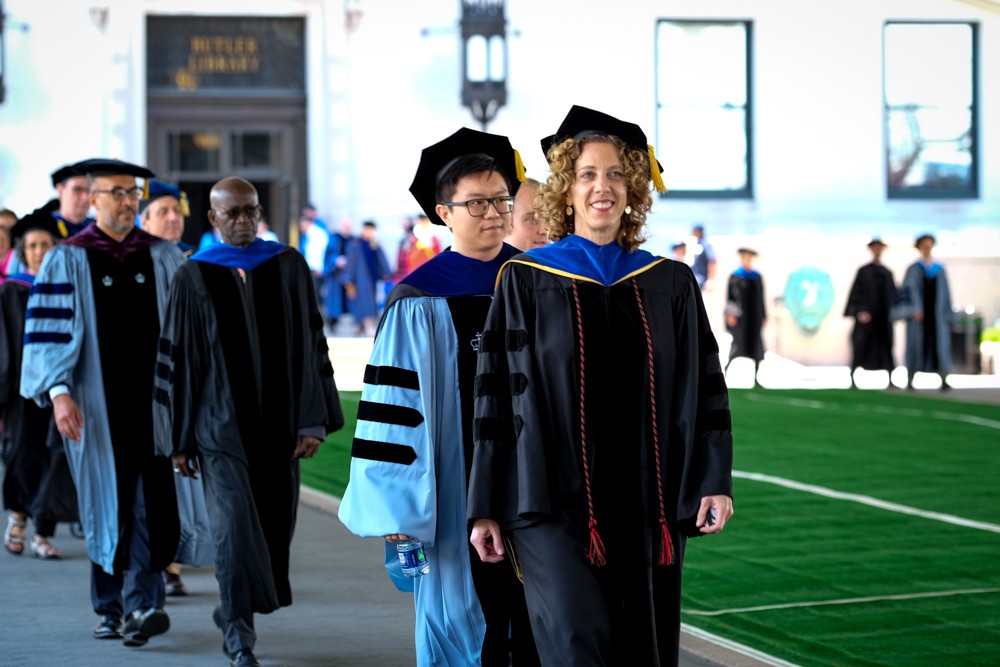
(234,213)
(477,207)
(120,193)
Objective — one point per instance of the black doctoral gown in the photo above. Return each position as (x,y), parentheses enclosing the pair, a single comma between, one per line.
(243,368)
(745,299)
(873,292)
(37,479)
(602,397)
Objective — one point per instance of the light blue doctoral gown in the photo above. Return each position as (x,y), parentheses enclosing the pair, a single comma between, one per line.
(72,357)
(426,498)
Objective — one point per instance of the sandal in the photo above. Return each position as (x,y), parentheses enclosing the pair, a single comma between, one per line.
(44,549)
(14,543)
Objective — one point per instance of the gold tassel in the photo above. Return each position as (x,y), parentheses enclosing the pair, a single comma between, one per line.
(654,168)
(145,188)
(62,228)
(519,167)
(185,207)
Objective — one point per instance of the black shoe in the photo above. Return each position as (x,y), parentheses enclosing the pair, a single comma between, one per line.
(143,624)
(109,627)
(173,586)
(243,658)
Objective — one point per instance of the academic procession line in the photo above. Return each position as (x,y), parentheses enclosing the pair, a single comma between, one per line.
(345,613)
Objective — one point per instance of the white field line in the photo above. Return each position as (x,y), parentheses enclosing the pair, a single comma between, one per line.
(881,409)
(867,500)
(736,647)
(821,603)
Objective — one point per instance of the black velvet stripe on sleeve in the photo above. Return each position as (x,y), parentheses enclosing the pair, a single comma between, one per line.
(164,372)
(716,420)
(714,383)
(161,396)
(490,384)
(496,429)
(503,341)
(389,452)
(389,414)
(392,377)
(165,347)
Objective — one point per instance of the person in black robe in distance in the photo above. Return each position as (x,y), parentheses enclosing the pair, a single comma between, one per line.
(746,313)
(871,298)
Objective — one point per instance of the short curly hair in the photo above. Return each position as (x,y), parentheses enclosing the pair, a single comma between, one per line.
(562,158)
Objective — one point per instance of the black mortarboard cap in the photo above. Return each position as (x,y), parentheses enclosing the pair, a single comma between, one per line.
(582,122)
(39,219)
(748,251)
(876,241)
(64,173)
(916,244)
(156,189)
(434,161)
(111,167)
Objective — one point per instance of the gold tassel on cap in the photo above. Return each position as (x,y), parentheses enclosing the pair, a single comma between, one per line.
(654,168)
(145,188)
(519,166)
(185,207)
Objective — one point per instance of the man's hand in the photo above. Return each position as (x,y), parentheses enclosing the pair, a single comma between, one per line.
(306,447)
(864,317)
(185,466)
(487,541)
(68,418)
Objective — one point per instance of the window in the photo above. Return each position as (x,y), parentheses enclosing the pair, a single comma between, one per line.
(703,108)
(930,110)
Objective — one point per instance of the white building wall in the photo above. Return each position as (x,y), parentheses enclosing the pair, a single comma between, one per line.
(379,94)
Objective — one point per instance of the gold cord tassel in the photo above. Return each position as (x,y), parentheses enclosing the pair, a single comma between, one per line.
(654,168)
(519,166)
(185,207)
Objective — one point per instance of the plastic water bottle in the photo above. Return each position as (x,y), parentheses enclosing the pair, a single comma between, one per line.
(413,558)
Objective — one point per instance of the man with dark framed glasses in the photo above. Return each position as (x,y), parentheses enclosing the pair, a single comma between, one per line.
(423,366)
(90,348)
(477,208)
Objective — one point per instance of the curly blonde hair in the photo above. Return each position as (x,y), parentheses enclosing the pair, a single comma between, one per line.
(562,158)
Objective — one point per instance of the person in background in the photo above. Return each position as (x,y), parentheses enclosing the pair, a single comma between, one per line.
(6,244)
(366,267)
(928,328)
(602,432)
(264,230)
(162,213)
(90,348)
(74,204)
(419,389)
(678,251)
(334,293)
(526,232)
(745,312)
(37,481)
(313,241)
(869,302)
(703,264)
(245,390)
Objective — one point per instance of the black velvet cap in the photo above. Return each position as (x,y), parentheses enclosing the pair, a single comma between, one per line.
(582,122)
(64,173)
(916,244)
(747,251)
(436,159)
(876,241)
(111,167)
(39,219)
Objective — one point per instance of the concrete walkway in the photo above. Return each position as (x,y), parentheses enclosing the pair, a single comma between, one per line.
(345,611)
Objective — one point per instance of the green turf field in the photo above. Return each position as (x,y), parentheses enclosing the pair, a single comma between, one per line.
(867,529)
